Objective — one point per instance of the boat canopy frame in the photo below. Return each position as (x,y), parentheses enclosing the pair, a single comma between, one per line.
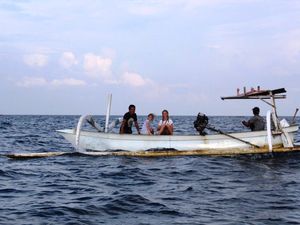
(263,95)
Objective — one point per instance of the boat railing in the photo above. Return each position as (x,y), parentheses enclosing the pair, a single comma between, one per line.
(81,121)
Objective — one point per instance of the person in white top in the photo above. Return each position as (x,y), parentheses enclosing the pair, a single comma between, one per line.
(147,128)
(165,125)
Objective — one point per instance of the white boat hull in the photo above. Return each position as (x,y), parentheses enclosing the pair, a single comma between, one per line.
(98,141)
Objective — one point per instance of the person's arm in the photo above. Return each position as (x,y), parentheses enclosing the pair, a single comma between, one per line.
(137,127)
(170,127)
(161,127)
(250,123)
(246,123)
(158,127)
(149,129)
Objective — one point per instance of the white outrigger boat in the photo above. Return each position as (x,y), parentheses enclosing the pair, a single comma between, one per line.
(277,137)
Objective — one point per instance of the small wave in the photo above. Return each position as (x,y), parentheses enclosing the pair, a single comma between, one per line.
(4,174)
(136,204)
(8,190)
(14,174)
(5,124)
(188,189)
(84,198)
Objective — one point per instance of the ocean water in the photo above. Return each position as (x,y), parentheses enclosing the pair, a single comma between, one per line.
(74,189)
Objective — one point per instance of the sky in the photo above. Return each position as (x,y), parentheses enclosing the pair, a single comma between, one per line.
(65,57)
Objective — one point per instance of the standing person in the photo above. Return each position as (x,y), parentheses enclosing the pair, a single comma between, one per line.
(147,128)
(165,125)
(256,122)
(128,119)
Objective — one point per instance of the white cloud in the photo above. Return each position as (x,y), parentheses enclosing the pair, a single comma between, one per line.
(41,82)
(32,82)
(36,60)
(97,66)
(134,79)
(108,52)
(68,60)
(67,82)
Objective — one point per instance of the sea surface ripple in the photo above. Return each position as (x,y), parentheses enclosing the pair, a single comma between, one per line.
(73,189)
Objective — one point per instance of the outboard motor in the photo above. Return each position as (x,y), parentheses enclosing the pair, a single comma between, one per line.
(200,123)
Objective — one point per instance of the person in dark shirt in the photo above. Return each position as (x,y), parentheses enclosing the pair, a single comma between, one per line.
(256,122)
(128,119)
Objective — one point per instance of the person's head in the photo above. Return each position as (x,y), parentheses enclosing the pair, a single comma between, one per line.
(131,109)
(165,114)
(255,111)
(150,116)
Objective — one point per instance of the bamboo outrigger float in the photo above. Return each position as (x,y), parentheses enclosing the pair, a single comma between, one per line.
(278,137)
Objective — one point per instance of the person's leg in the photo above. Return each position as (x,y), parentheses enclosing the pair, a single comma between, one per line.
(169,130)
(165,131)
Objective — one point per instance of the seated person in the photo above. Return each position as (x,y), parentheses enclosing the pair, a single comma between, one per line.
(147,128)
(128,120)
(165,125)
(256,122)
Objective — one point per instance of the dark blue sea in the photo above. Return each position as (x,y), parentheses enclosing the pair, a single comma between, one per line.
(76,189)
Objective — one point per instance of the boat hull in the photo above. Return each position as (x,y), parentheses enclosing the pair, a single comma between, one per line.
(98,141)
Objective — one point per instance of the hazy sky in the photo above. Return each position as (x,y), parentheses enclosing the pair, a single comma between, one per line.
(64,57)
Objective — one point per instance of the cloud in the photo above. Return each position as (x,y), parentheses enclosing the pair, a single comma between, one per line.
(68,60)
(41,82)
(67,82)
(32,82)
(36,60)
(97,66)
(134,79)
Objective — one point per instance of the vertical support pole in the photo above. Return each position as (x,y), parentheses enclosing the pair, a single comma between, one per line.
(269,131)
(286,139)
(108,112)
(274,114)
(294,117)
